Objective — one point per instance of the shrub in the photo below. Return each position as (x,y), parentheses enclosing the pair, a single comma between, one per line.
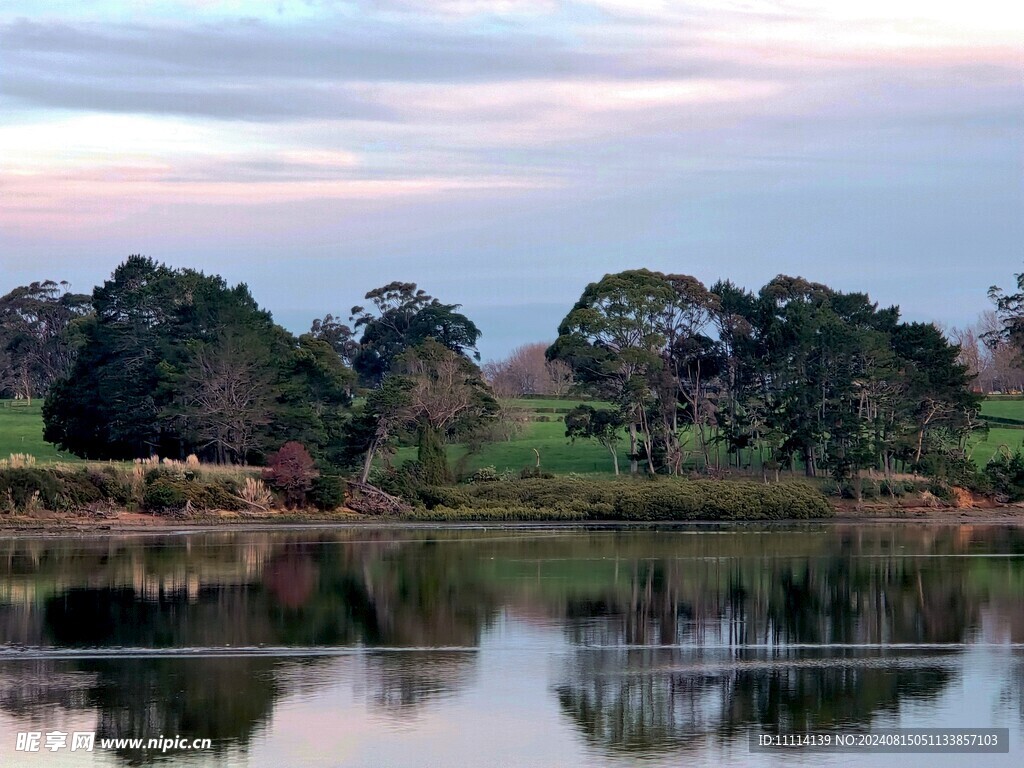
(328,492)
(487,474)
(940,489)
(432,496)
(404,481)
(170,490)
(291,470)
(27,487)
(1005,474)
(103,485)
(164,494)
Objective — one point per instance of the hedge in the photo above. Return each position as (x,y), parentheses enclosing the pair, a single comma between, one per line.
(634,499)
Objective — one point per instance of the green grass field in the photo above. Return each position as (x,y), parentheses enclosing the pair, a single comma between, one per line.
(983,449)
(21,431)
(1006,409)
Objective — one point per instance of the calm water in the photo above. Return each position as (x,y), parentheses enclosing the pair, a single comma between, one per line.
(457,647)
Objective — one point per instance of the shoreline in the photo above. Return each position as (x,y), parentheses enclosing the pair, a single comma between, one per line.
(65,526)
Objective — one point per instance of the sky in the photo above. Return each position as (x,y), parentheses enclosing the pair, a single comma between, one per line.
(504,153)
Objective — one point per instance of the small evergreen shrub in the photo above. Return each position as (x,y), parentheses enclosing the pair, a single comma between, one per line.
(164,495)
(328,492)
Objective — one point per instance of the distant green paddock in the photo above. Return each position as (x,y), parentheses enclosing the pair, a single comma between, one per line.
(557,454)
(21,431)
(1004,409)
(983,449)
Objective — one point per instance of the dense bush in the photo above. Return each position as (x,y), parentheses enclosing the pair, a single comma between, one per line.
(1005,473)
(24,486)
(488,474)
(328,492)
(111,486)
(164,494)
(160,488)
(629,499)
(28,488)
(404,481)
(169,490)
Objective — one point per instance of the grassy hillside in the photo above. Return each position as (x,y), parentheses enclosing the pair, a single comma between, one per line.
(21,431)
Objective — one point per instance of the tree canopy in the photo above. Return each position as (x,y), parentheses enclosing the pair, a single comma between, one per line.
(175,362)
(404,316)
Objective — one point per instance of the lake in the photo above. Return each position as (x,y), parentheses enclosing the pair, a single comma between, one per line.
(500,647)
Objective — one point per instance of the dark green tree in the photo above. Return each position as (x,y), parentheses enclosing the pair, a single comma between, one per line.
(404,316)
(174,362)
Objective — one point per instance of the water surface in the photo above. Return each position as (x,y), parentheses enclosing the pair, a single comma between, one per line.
(545,647)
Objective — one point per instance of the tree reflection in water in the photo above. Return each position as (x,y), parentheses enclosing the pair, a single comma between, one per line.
(401,683)
(669,640)
(702,648)
(662,699)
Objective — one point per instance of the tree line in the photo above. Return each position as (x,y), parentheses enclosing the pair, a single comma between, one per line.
(797,375)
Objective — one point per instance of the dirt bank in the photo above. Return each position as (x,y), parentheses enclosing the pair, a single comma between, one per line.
(52,523)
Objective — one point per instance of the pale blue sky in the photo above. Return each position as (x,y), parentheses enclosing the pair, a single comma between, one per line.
(504,153)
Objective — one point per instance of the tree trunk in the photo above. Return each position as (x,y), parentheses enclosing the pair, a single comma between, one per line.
(633,468)
(368,462)
(615,458)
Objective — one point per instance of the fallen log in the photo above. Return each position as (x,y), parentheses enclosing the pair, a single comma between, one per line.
(368,499)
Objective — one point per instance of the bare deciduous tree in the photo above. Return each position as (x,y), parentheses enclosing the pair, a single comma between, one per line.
(227,398)
(526,371)
(989,356)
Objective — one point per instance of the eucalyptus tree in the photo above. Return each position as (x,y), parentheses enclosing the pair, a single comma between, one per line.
(694,359)
(404,316)
(614,341)
(37,339)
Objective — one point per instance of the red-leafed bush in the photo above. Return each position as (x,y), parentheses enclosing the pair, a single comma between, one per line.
(291,471)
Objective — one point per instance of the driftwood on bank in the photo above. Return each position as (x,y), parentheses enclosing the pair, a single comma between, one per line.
(368,499)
